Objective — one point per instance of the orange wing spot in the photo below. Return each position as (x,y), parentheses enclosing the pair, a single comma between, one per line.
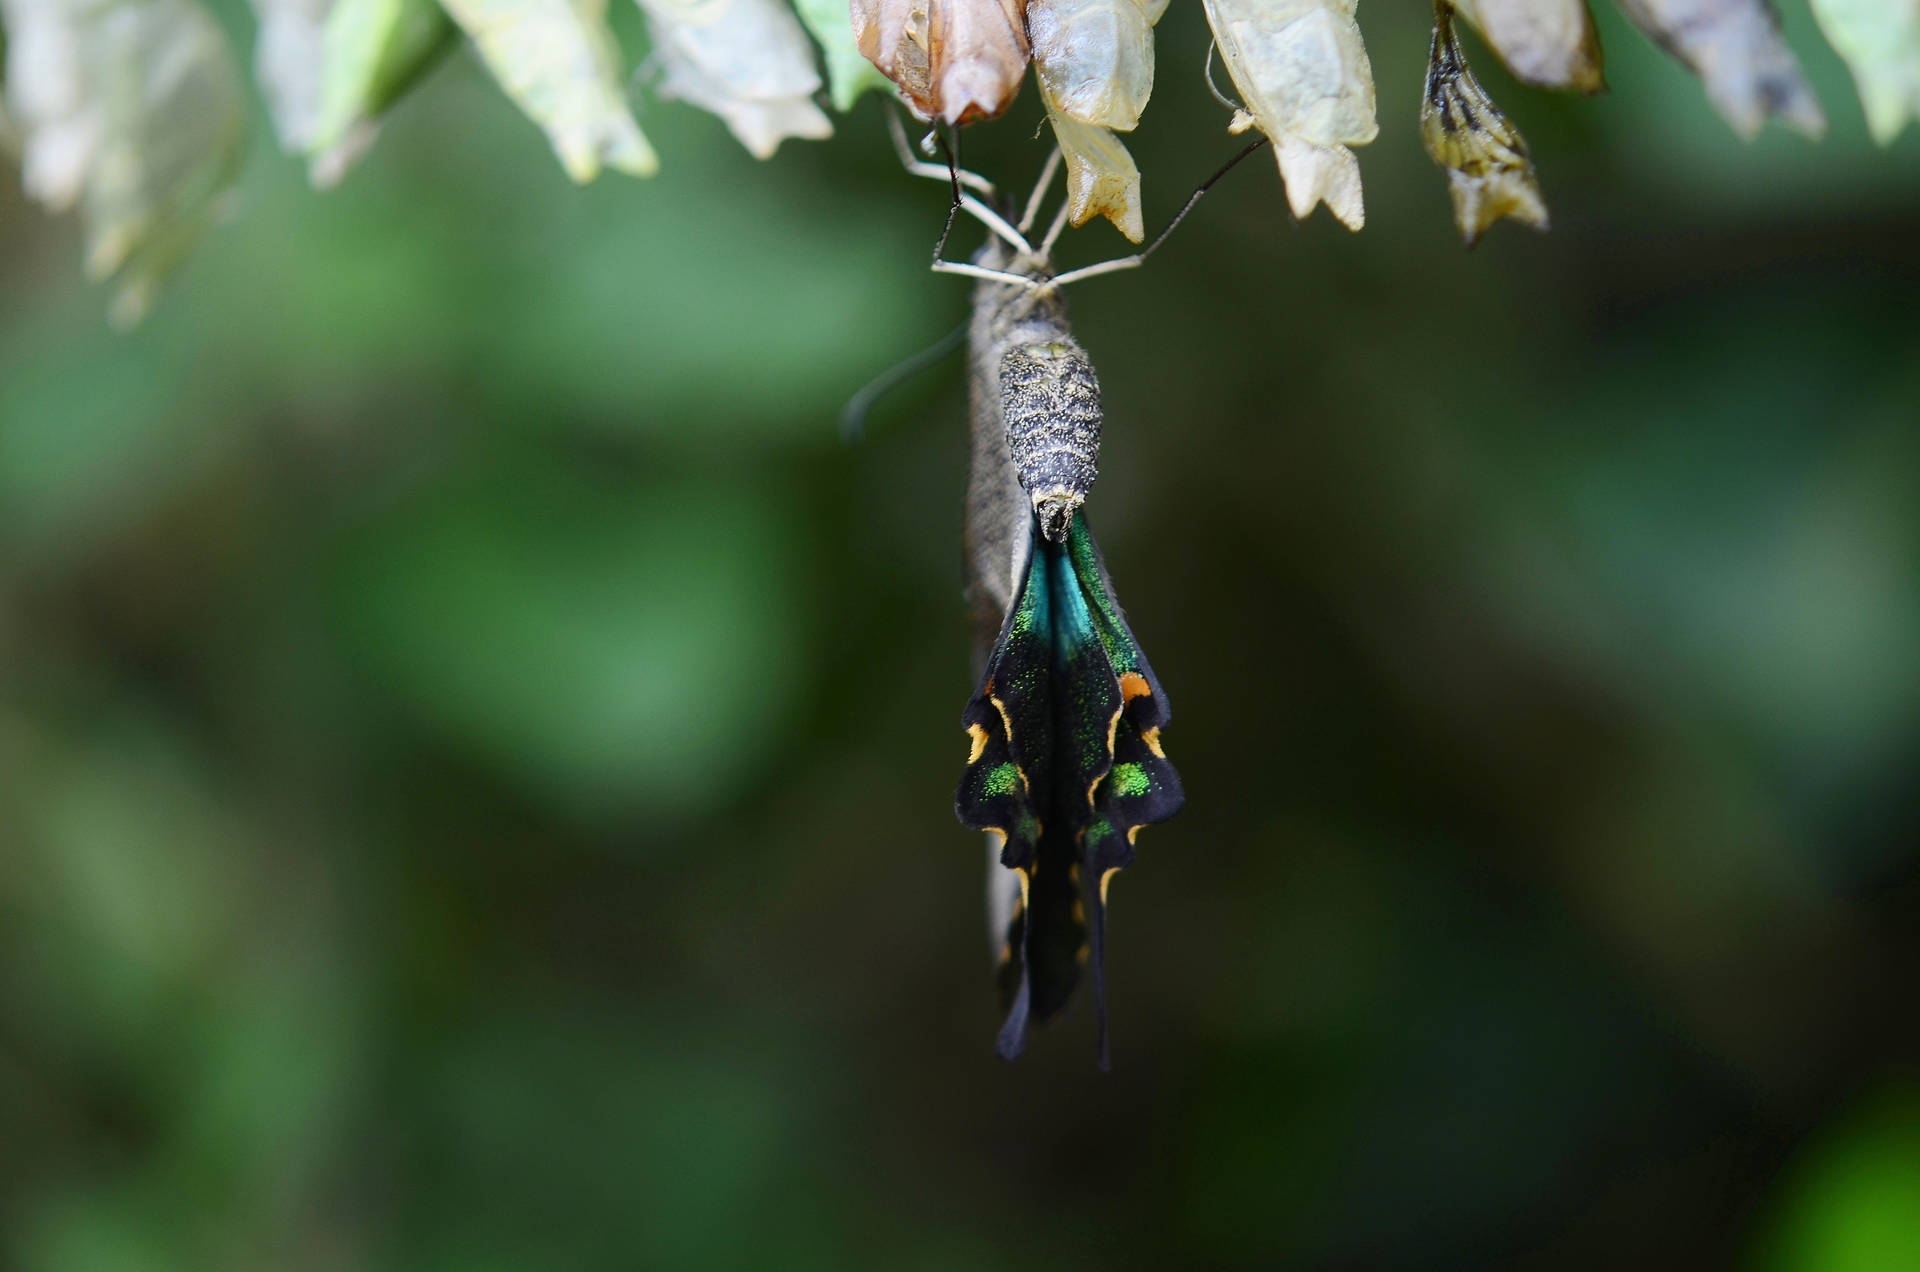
(1082,954)
(979,735)
(1152,738)
(1133,834)
(1026,883)
(1079,911)
(1106,877)
(1006,721)
(1001,840)
(1006,953)
(1134,685)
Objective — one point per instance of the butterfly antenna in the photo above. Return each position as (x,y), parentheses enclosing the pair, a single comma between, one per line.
(1194,198)
(853,416)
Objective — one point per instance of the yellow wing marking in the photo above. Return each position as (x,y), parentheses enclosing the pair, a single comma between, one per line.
(979,735)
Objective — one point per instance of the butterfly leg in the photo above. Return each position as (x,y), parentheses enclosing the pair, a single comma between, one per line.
(1040,189)
(962,202)
(933,171)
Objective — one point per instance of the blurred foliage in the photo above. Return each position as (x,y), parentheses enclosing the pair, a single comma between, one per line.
(476,749)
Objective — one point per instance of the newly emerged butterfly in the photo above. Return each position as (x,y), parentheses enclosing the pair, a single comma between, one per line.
(1064,762)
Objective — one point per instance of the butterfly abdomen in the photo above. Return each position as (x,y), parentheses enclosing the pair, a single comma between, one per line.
(1051,400)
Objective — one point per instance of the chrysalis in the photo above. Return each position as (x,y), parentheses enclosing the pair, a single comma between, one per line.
(746,61)
(1545,43)
(1102,179)
(1489,173)
(374,51)
(1303,75)
(1065,763)
(1094,58)
(132,110)
(1880,40)
(558,62)
(953,60)
(1735,47)
(1094,62)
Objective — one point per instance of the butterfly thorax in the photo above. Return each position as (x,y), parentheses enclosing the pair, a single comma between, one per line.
(1036,425)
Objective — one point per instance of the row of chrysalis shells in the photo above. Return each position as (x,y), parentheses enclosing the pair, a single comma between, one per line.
(132,109)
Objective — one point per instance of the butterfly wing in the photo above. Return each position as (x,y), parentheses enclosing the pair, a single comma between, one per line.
(1065,767)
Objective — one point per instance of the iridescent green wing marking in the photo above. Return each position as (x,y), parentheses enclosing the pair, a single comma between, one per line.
(1141,786)
(1006,791)
(1065,767)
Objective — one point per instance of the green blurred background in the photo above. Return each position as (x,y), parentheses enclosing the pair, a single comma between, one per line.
(476,747)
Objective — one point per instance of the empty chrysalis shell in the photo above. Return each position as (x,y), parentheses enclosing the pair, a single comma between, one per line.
(952,60)
(1545,43)
(1094,58)
(1102,179)
(1880,40)
(1489,173)
(1736,49)
(557,60)
(1303,75)
(747,61)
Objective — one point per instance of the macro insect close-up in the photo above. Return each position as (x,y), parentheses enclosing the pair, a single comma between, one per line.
(539,537)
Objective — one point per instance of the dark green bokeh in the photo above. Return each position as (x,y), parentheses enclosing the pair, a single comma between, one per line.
(476,749)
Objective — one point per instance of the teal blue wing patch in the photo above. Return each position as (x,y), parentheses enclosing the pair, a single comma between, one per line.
(1066,766)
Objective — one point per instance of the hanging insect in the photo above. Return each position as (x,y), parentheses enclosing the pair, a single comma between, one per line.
(1065,763)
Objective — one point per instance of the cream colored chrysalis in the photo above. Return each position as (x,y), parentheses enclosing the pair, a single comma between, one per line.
(1102,179)
(1545,43)
(1094,63)
(1489,173)
(746,61)
(1880,40)
(1094,58)
(558,61)
(1303,75)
